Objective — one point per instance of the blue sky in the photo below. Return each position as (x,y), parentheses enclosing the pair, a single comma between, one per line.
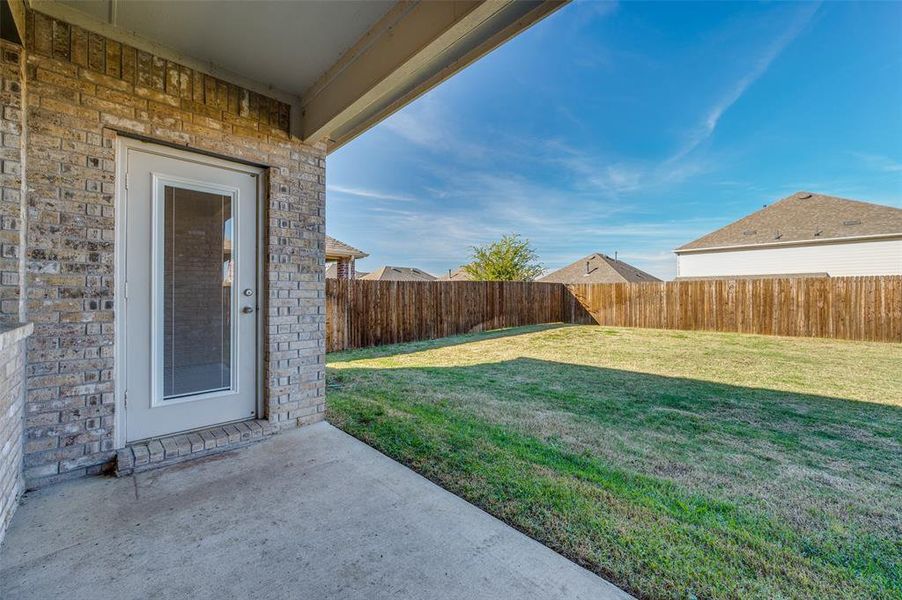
(631,127)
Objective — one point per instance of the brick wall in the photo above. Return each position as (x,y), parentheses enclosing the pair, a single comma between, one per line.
(12,367)
(12,84)
(82,91)
(345,268)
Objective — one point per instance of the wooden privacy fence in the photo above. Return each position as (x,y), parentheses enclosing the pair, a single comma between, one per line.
(853,308)
(373,313)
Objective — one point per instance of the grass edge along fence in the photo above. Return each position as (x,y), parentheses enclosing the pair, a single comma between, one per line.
(374,313)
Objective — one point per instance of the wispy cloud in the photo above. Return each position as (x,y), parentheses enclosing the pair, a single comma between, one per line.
(429,125)
(589,10)
(619,178)
(368,194)
(416,124)
(878,162)
(505,187)
(707,127)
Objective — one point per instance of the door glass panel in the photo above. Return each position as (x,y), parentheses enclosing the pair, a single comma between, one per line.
(197,292)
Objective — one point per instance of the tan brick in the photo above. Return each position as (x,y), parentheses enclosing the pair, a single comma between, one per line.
(87,92)
(105,80)
(113,59)
(79,50)
(107,107)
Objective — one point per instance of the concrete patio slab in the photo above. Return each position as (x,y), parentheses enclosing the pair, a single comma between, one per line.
(311,513)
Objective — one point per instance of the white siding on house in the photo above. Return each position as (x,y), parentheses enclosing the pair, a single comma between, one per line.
(879,257)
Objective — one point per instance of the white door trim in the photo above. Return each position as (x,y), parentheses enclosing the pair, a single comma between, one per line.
(123,146)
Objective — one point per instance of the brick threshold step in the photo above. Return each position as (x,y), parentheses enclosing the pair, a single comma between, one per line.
(173,449)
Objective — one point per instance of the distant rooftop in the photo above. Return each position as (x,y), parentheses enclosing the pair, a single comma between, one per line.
(803,217)
(458,274)
(336,249)
(388,273)
(598,268)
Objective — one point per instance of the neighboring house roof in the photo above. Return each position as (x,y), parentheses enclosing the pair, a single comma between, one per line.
(804,217)
(598,268)
(337,249)
(388,273)
(458,274)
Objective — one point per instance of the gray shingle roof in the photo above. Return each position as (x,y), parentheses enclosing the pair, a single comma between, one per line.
(388,273)
(338,249)
(457,274)
(598,268)
(804,217)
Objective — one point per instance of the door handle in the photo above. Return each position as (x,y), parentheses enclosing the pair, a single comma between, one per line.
(247,310)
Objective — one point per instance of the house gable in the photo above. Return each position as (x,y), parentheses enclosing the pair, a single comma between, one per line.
(803,217)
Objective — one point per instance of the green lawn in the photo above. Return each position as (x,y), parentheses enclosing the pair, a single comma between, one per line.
(675,464)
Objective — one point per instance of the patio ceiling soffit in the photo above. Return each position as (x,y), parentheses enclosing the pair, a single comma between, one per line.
(411,48)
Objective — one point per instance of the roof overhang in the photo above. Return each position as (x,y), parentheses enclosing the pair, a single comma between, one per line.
(811,242)
(416,46)
(343,255)
(338,250)
(341,66)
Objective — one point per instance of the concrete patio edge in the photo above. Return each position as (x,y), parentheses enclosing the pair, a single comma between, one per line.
(310,513)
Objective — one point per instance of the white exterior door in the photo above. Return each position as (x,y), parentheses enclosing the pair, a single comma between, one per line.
(188,334)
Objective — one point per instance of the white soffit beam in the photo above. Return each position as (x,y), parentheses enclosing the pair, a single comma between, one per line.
(413,48)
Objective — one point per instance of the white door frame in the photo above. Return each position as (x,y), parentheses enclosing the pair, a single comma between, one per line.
(123,145)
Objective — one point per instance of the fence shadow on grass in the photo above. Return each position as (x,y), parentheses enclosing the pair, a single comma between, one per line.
(715,424)
(430,344)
